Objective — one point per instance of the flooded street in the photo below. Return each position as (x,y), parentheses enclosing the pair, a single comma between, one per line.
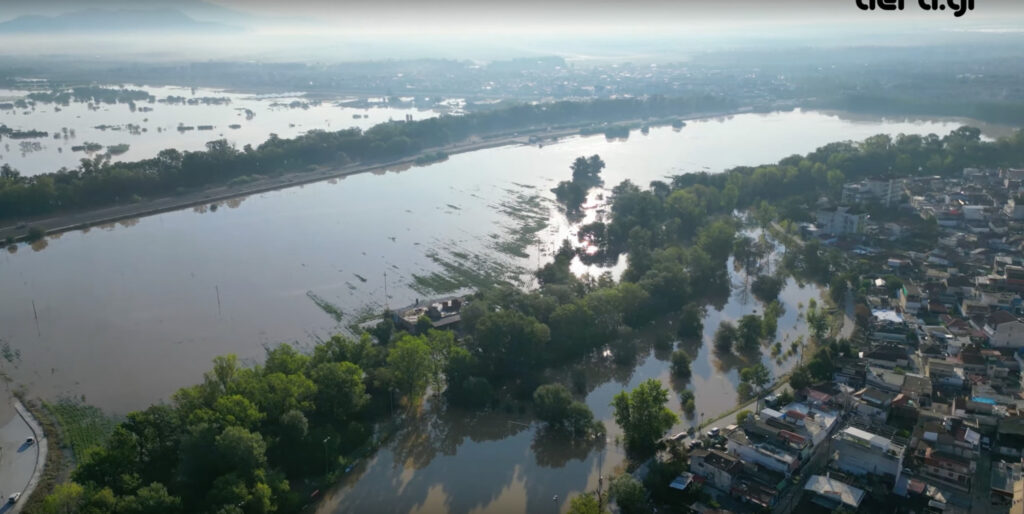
(123,315)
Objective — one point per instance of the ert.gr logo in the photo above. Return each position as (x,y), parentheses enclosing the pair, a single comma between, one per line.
(958,7)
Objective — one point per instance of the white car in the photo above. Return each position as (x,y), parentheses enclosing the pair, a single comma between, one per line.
(14,498)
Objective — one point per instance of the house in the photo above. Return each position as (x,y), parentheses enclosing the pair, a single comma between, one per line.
(889,356)
(719,468)
(1015,208)
(944,372)
(1004,330)
(757,443)
(441,314)
(755,490)
(918,389)
(860,452)
(885,192)
(911,299)
(840,221)
(832,494)
(884,379)
(951,470)
(873,403)
(951,436)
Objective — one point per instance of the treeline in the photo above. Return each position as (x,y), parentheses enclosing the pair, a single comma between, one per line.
(241,439)
(94,94)
(100,183)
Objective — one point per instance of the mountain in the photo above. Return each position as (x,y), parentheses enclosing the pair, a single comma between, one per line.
(112,21)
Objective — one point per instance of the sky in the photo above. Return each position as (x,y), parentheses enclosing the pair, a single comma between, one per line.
(350,29)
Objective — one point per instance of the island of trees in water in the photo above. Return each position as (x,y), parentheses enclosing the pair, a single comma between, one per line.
(260,438)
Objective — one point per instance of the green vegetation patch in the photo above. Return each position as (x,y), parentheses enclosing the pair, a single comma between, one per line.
(83,426)
(331,309)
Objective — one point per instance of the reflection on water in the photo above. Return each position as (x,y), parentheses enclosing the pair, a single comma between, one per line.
(454,461)
(128,314)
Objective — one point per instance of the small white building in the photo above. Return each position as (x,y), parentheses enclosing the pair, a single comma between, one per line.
(841,220)
(1004,330)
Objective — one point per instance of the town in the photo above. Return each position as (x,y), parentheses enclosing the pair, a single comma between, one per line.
(926,407)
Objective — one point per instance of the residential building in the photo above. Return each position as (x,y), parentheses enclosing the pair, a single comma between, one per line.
(885,192)
(841,220)
(1004,330)
(833,494)
(757,443)
(718,468)
(911,299)
(860,452)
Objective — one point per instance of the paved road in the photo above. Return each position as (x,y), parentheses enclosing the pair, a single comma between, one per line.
(18,461)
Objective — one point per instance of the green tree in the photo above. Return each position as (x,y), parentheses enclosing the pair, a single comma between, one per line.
(510,344)
(411,367)
(241,451)
(629,494)
(799,378)
(742,415)
(725,337)
(817,321)
(749,340)
(691,322)
(283,358)
(442,344)
(585,503)
(688,401)
(680,364)
(66,498)
(552,403)
(151,499)
(643,415)
(340,391)
(579,419)
(757,376)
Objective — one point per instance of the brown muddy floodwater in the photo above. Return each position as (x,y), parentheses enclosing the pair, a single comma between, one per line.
(501,462)
(125,314)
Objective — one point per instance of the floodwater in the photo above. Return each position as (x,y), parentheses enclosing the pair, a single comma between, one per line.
(153,127)
(123,315)
(502,462)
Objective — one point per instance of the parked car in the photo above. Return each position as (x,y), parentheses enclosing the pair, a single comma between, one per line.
(678,437)
(693,445)
(713,433)
(30,441)
(14,498)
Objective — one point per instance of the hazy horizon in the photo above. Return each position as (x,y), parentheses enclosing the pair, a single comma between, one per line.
(363,30)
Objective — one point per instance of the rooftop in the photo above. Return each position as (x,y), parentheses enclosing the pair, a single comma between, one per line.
(835,490)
